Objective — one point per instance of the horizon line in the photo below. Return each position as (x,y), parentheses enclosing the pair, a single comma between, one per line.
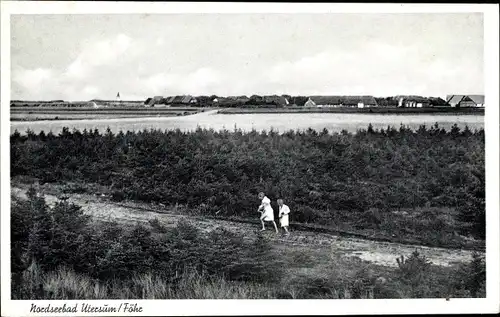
(237,95)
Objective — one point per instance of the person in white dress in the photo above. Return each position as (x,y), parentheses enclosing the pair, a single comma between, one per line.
(267,212)
(283,215)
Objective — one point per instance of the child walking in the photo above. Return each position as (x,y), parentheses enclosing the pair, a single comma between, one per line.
(283,214)
(267,212)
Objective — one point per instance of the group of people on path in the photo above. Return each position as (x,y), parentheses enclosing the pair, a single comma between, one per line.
(267,213)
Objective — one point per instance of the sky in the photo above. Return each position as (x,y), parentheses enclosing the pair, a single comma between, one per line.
(83,57)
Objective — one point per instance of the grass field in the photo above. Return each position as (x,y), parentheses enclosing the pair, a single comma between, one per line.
(86,113)
(55,113)
(89,116)
(106,109)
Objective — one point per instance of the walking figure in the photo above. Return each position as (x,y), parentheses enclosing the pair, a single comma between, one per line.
(283,215)
(267,212)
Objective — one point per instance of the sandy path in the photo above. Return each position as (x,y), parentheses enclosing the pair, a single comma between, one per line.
(382,253)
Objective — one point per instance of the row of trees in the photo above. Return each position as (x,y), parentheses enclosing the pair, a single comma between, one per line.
(322,176)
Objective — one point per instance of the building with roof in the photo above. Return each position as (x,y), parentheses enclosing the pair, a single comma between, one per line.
(463,101)
(342,101)
(310,103)
(412,101)
(326,101)
(276,100)
(360,101)
(172,100)
(238,100)
(224,102)
(150,102)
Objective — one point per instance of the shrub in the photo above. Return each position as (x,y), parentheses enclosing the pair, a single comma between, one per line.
(306,214)
(413,268)
(413,273)
(28,284)
(473,215)
(472,277)
(117,196)
(258,264)
(307,287)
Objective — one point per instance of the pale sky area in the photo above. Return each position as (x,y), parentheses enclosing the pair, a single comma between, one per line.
(82,57)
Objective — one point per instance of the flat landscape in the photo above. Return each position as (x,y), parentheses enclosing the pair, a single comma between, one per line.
(61,113)
(163,118)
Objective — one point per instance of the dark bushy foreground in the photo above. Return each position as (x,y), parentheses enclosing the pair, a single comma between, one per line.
(59,253)
(64,237)
(341,179)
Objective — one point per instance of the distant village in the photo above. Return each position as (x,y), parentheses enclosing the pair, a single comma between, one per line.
(317,101)
(274,101)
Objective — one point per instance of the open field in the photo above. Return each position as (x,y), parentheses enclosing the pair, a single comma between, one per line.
(75,104)
(283,122)
(108,109)
(372,110)
(88,116)
(54,113)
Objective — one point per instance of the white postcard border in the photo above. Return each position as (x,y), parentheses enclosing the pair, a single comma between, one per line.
(269,307)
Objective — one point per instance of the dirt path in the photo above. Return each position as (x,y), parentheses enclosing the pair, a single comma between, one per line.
(382,253)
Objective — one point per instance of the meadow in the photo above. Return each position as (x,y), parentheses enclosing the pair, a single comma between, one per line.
(85,113)
(278,122)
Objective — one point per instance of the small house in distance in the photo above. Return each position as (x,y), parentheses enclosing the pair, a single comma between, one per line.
(224,102)
(150,102)
(183,100)
(341,101)
(324,101)
(237,100)
(464,101)
(276,100)
(171,101)
(310,103)
(360,101)
(412,102)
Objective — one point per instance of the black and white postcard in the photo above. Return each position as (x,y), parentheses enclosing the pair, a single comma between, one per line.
(249,158)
